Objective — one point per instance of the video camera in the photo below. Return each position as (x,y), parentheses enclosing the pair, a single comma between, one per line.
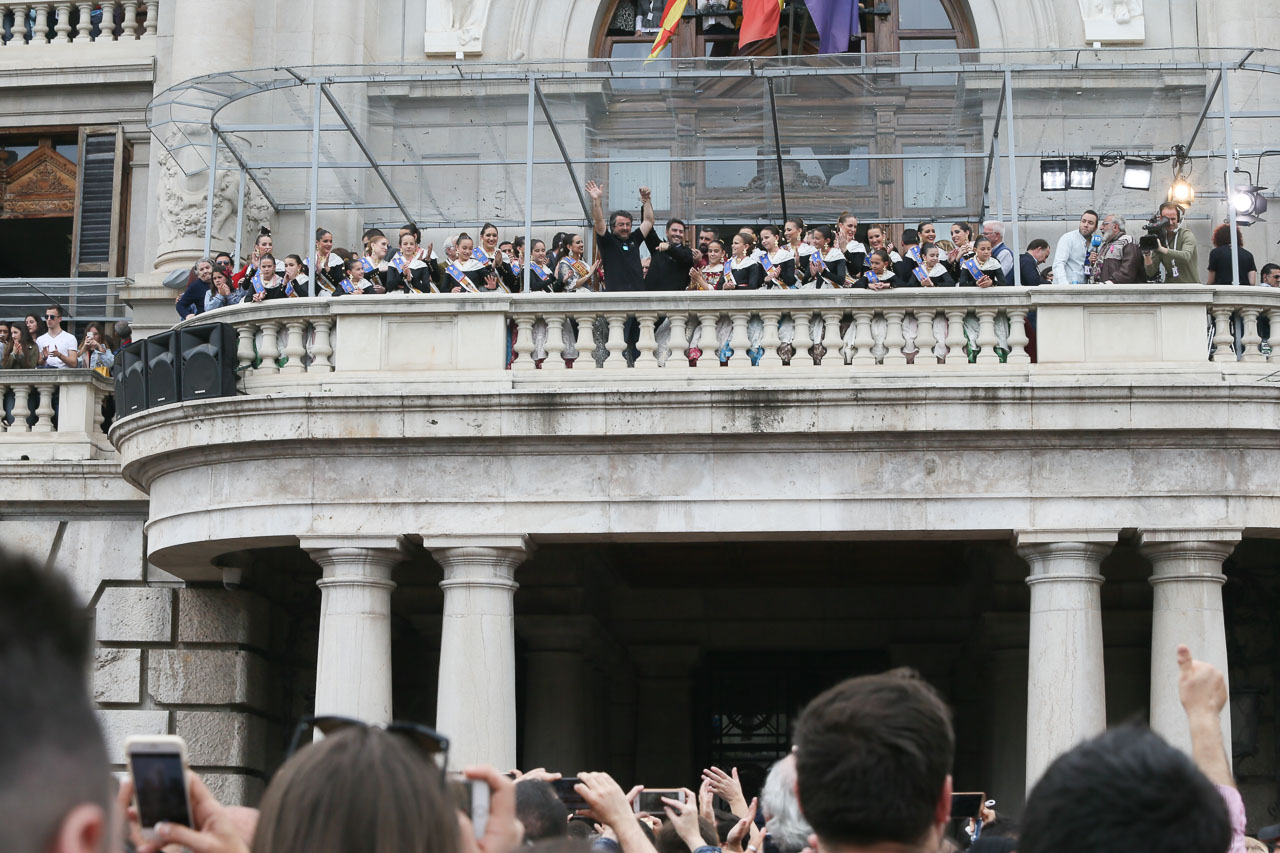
(1157,228)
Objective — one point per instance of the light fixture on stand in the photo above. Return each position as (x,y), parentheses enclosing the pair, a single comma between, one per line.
(1181,192)
(1080,172)
(1137,175)
(1053,175)
(1247,202)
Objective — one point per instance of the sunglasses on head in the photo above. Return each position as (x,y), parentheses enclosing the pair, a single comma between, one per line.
(423,737)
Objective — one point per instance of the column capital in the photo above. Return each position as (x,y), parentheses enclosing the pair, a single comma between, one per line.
(1065,555)
(363,560)
(1188,554)
(312,544)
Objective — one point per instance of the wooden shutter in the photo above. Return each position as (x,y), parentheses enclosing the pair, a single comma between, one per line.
(96,250)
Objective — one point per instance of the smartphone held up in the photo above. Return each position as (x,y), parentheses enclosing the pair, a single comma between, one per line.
(158,767)
(649,801)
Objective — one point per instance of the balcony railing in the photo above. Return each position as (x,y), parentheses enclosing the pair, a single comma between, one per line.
(54,414)
(45,22)
(767,336)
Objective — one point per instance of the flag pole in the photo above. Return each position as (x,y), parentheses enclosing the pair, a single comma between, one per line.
(777,149)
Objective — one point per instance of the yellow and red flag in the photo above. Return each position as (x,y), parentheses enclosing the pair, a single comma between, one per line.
(760,20)
(670,18)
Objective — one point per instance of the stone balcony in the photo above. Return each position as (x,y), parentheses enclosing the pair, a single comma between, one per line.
(398,415)
(112,42)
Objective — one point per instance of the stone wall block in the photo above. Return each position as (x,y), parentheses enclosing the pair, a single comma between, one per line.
(119,725)
(207,677)
(134,615)
(222,616)
(117,675)
(223,738)
(234,789)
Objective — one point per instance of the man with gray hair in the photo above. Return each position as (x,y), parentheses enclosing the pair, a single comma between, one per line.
(1119,261)
(786,826)
(994,231)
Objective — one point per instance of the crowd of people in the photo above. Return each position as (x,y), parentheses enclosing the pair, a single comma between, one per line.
(793,255)
(870,770)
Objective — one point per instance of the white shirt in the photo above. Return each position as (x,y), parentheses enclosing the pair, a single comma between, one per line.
(1070,257)
(64,342)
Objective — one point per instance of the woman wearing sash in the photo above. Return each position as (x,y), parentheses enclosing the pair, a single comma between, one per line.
(572,272)
(744,270)
(327,269)
(710,276)
(376,265)
(295,278)
(962,238)
(934,268)
(261,246)
(778,262)
(982,270)
(928,232)
(468,273)
(264,284)
(879,274)
(827,267)
(795,237)
(490,255)
(541,277)
(876,240)
(410,271)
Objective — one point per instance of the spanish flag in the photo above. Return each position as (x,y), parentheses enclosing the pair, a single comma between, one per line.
(670,18)
(759,20)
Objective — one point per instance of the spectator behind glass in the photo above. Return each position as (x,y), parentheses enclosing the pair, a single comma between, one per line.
(1220,271)
(873,763)
(221,292)
(1271,275)
(94,352)
(56,348)
(191,302)
(34,327)
(21,353)
(55,790)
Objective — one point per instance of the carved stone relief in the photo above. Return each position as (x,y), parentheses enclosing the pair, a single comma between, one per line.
(1113,21)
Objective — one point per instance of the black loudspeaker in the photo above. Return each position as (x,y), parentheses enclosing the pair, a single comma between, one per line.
(131,379)
(208,356)
(162,369)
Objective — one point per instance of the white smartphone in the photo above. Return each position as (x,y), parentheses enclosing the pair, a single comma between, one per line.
(158,767)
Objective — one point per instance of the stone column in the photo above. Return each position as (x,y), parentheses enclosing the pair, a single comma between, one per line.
(1066,696)
(1186,582)
(664,713)
(476,702)
(353,664)
(559,720)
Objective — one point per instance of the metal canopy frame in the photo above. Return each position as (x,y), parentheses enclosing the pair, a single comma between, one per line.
(184,119)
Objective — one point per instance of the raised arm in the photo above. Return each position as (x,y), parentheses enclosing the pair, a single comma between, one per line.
(1203,692)
(646,211)
(597,207)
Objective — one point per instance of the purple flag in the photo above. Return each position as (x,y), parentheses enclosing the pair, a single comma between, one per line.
(836,21)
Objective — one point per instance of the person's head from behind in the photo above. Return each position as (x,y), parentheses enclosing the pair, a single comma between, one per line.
(360,789)
(787,826)
(668,840)
(873,762)
(540,810)
(54,779)
(1122,791)
(1222,236)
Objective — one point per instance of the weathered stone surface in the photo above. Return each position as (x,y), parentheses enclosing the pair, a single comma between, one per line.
(207,677)
(92,550)
(222,616)
(234,789)
(222,738)
(135,615)
(117,675)
(119,725)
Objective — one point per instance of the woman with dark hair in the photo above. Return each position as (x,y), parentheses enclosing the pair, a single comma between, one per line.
(778,262)
(879,273)
(541,277)
(375,263)
(743,270)
(491,256)
(35,328)
(265,284)
(962,246)
(984,270)
(220,290)
(94,352)
(261,246)
(327,268)
(572,272)
(295,277)
(411,270)
(827,267)
(21,353)
(1220,271)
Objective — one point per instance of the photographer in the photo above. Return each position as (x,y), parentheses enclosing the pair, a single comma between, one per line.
(1174,251)
(1118,259)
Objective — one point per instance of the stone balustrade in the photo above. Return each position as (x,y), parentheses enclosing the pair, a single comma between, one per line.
(51,22)
(772,333)
(54,414)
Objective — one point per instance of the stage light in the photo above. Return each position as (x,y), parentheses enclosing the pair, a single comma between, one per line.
(1181,192)
(1248,204)
(1053,175)
(1080,171)
(1137,175)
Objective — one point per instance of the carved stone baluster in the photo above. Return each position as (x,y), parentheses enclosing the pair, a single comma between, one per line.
(86,24)
(647,345)
(270,347)
(894,339)
(295,347)
(925,340)
(4,390)
(21,408)
(707,341)
(987,340)
(41,33)
(44,409)
(1222,339)
(1018,339)
(62,26)
(1273,340)
(616,345)
(98,397)
(1250,339)
(955,338)
(555,343)
(153,18)
(863,340)
(244,345)
(802,342)
(523,347)
(19,28)
(322,349)
(738,341)
(769,340)
(107,29)
(679,358)
(129,26)
(585,343)
(831,340)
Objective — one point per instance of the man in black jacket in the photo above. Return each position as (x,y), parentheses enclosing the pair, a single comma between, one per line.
(669,260)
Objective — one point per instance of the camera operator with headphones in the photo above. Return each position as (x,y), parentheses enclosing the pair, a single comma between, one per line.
(1172,248)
